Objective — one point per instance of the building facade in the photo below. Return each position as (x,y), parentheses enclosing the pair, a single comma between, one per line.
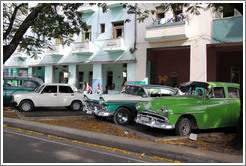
(165,49)
(102,54)
(182,47)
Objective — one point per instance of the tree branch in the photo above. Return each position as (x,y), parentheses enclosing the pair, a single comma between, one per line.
(11,23)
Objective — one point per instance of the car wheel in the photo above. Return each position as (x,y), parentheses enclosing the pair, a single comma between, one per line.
(76,105)
(183,127)
(122,116)
(26,106)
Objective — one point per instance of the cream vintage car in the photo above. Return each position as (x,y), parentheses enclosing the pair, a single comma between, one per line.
(50,95)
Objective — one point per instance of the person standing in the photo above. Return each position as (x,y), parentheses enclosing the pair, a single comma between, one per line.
(99,89)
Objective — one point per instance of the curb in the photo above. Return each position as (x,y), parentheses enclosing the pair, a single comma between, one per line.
(138,146)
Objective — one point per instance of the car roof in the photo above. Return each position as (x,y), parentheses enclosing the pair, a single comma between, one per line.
(57,84)
(151,86)
(24,78)
(206,84)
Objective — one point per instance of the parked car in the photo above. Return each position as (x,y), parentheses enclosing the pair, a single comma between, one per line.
(18,84)
(50,95)
(204,106)
(122,106)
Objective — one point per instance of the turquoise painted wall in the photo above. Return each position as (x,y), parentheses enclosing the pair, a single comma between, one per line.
(228,30)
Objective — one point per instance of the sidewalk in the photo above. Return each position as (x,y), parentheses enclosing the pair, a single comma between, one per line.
(179,153)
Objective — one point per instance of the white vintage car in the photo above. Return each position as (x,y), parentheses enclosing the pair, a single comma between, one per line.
(50,95)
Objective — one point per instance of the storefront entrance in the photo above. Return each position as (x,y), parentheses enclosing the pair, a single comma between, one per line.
(225,63)
(169,66)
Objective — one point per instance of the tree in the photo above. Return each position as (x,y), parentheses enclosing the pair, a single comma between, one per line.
(44,21)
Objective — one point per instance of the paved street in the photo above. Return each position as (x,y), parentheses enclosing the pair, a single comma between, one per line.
(22,147)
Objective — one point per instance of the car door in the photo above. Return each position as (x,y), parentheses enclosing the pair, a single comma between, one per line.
(48,96)
(217,113)
(65,95)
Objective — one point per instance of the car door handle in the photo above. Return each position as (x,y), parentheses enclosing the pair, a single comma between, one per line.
(227,102)
(55,94)
(72,94)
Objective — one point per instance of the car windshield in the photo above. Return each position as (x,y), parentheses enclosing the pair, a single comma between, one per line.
(38,89)
(133,90)
(159,92)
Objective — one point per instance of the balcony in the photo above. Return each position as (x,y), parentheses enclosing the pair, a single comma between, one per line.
(228,30)
(166,32)
(83,48)
(55,50)
(114,45)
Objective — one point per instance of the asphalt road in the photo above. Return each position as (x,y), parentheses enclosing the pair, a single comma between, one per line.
(22,147)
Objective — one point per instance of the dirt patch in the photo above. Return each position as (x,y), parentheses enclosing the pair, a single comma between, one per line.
(9,113)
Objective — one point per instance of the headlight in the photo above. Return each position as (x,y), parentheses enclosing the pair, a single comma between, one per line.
(137,106)
(164,111)
(101,101)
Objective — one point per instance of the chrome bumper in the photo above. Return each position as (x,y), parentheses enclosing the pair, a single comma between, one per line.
(153,120)
(97,109)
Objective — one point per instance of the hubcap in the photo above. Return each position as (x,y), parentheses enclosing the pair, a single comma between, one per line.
(76,106)
(26,107)
(185,128)
(122,117)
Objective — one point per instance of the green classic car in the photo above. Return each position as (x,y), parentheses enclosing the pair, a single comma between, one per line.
(202,105)
(121,107)
(18,84)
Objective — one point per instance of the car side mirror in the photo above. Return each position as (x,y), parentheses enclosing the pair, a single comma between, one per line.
(144,95)
(210,96)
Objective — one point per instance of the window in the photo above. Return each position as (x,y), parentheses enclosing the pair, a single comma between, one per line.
(58,41)
(219,92)
(178,14)
(86,34)
(233,93)
(118,29)
(30,84)
(65,89)
(14,83)
(50,89)
(102,28)
(160,15)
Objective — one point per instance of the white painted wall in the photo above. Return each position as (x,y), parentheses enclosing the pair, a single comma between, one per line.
(197,28)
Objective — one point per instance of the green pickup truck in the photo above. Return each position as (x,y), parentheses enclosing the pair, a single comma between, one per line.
(202,105)
(18,84)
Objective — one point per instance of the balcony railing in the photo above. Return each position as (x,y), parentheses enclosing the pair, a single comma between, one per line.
(166,32)
(55,50)
(114,45)
(83,48)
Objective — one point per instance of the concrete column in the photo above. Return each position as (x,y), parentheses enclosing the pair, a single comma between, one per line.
(131,69)
(198,71)
(97,75)
(31,71)
(49,74)
(72,69)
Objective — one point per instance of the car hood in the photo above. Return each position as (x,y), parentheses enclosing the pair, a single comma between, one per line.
(125,98)
(25,94)
(157,104)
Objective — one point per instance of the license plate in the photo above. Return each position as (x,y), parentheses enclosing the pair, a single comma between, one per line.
(144,119)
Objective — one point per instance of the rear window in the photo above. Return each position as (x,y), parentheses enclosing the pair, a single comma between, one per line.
(65,89)
(233,93)
(14,83)
(30,84)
